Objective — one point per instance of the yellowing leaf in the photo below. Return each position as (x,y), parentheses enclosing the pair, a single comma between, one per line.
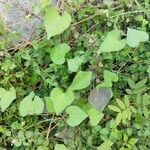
(57,53)
(54,23)
(114,108)
(118,118)
(6,97)
(120,103)
(112,42)
(76,115)
(135,37)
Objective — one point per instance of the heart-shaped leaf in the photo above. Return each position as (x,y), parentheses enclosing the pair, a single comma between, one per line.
(76,115)
(49,105)
(61,100)
(31,105)
(54,23)
(74,63)
(109,77)
(6,97)
(135,37)
(81,80)
(112,42)
(95,116)
(57,53)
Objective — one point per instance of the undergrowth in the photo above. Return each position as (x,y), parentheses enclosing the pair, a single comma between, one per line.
(47,81)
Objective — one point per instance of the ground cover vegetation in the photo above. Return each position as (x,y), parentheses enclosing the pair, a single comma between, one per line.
(47,83)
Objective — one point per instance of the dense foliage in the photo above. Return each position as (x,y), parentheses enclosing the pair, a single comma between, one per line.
(45,82)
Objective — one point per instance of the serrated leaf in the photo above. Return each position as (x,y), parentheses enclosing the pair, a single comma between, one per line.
(61,100)
(135,37)
(60,147)
(95,116)
(105,145)
(81,80)
(57,53)
(6,97)
(120,103)
(31,105)
(74,63)
(114,108)
(112,42)
(54,23)
(76,115)
(109,78)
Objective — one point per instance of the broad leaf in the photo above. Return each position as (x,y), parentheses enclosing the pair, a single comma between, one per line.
(76,115)
(112,42)
(6,97)
(60,147)
(95,116)
(74,63)
(49,105)
(31,105)
(105,146)
(61,100)
(81,80)
(109,78)
(57,53)
(54,23)
(135,37)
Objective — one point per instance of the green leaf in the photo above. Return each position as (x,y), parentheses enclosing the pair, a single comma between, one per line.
(105,145)
(133,141)
(81,80)
(95,116)
(54,23)
(112,42)
(6,97)
(57,53)
(124,116)
(114,108)
(131,83)
(31,105)
(109,77)
(135,37)
(61,100)
(60,147)
(118,118)
(76,115)
(140,84)
(49,105)
(74,63)
(120,103)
